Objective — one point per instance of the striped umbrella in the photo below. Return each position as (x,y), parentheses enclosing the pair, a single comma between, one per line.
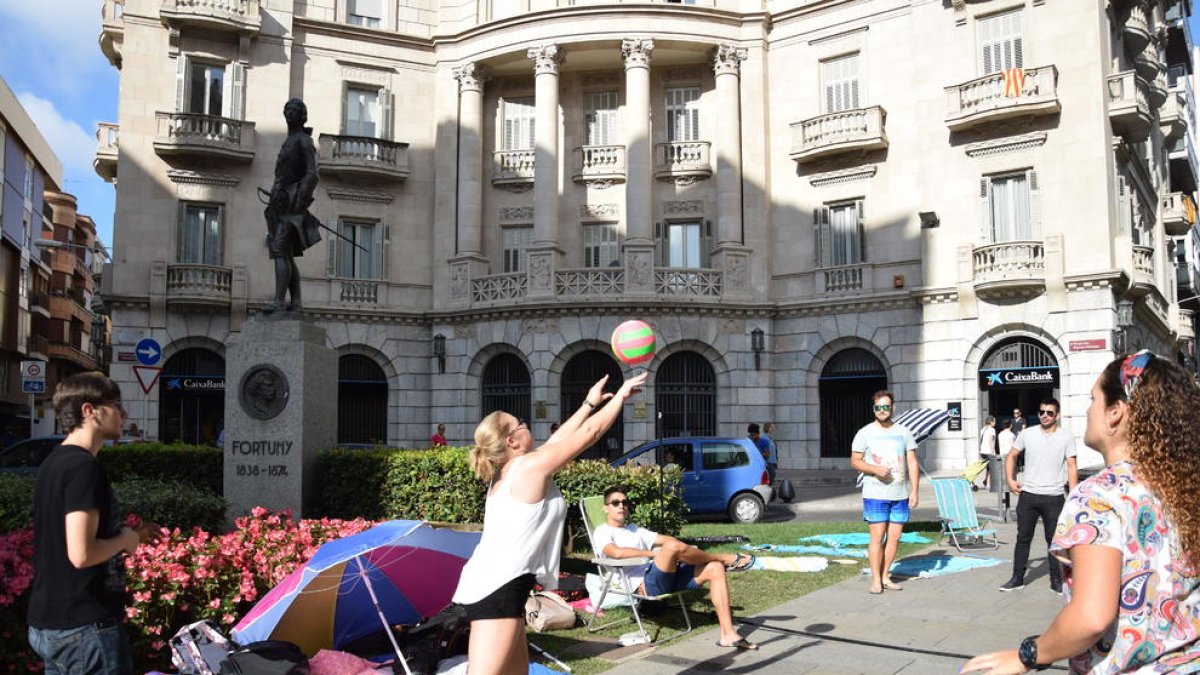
(922,422)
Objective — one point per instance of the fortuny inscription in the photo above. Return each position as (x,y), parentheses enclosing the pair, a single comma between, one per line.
(260,447)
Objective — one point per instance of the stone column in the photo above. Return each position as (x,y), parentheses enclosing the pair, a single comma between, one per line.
(544,254)
(468,261)
(639,216)
(730,255)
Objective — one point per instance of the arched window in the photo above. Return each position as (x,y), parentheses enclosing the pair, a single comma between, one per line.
(506,386)
(846,384)
(686,394)
(580,373)
(362,401)
(1016,374)
(191,405)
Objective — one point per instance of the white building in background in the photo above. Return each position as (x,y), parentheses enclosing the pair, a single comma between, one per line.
(809,200)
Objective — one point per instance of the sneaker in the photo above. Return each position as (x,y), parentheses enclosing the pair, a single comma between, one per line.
(1012,585)
(1056,587)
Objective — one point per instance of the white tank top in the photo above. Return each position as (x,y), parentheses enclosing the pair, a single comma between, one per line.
(518,538)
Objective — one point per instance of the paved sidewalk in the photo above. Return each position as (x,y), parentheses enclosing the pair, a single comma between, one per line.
(929,627)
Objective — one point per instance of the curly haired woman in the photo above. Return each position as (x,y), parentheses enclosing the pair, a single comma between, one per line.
(1129,537)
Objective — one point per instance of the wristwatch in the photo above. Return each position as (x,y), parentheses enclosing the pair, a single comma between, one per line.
(1028,654)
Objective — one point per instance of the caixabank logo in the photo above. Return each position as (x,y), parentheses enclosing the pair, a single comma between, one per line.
(1018,378)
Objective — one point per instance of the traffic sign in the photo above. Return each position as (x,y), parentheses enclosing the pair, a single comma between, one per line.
(33,370)
(33,386)
(148,352)
(147,377)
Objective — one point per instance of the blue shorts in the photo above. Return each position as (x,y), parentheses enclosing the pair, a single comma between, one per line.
(885,510)
(659,582)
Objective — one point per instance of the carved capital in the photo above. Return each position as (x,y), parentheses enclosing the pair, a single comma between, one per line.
(471,76)
(727,59)
(637,52)
(546,59)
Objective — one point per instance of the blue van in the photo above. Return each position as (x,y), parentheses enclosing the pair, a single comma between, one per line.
(720,475)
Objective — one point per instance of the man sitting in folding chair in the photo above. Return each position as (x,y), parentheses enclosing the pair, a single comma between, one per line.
(675,566)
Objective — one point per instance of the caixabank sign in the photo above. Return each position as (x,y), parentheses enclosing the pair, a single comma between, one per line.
(1019,378)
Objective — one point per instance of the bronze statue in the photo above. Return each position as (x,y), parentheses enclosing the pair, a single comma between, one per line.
(291,229)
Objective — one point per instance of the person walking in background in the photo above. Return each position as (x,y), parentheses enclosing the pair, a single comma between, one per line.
(438,439)
(987,444)
(886,453)
(522,523)
(1130,535)
(77,599)
(1005,439)
(1049,464)
(1018,421)
(772,452)
(754,433)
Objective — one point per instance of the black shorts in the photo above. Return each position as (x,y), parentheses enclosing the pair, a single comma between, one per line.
(506,602)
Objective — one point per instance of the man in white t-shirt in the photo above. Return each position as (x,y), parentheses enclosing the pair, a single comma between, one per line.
(675,566)
(1004,439)
(1049,464)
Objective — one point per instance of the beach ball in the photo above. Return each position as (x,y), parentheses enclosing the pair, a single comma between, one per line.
(633,342)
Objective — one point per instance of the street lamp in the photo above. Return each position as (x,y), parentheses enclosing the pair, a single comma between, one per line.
(439,351)
(95,247)
(1124,323)
(757,344)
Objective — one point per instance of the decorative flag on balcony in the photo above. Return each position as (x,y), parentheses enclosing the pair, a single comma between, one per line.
(1014,82)
(1189,210)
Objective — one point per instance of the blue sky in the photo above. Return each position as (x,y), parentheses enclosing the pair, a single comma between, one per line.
(50,57)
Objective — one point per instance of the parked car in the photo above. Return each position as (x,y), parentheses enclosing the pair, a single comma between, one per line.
(720,475)
(24,457)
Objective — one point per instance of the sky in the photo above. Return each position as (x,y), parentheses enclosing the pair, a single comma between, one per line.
(50,58)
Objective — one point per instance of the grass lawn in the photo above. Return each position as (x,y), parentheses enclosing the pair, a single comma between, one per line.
(752,592)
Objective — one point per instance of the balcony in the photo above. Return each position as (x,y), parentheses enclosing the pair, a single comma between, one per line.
(1129,106)
(105,162)
(1172,117)
(38,346)
(1182,160)
(513,169)
(192,134)
(1178,213)
(39,303)
(1147,62)
(1009,268)
(847,131)
(112,30)
(238,16)
(994,97)
(684,162)
(600,166)
(359,292)
(590,282)
(607,283)
(363,157)
(499,287)
(1136,29)
(695,283)
(845,280)
(1183,323)
(1143,269)
(193,285)
(69,352)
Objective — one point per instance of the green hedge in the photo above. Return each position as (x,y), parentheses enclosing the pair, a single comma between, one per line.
(168,503)
(201,466)
(439,485)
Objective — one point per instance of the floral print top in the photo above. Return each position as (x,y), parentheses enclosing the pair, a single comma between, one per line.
(1158,618)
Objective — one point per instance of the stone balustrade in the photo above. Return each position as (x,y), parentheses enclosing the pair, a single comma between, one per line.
(241,16)
(1129,105)
(845,279)
(695,283)
(513,167)
(363,157)
(204,135)
(1178,213)
(1009,266)
(598,282)
(856,130)
(995,96)
(600,164)
(107,151)
(189,283)
(500,287)
(359,291)
(1143,265)
(682,161)
(590,281)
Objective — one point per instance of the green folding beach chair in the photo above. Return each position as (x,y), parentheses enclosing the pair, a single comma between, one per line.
(960,520)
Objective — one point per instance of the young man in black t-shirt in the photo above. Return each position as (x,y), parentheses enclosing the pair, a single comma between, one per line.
(77,600)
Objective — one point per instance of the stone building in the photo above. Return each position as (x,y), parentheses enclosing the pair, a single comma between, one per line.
(964,202)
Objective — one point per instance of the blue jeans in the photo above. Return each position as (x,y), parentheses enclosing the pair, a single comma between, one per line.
(100,648)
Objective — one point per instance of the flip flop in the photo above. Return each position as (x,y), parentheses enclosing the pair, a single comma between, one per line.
(892,586)
(872,591)
(741,563)
(742,645)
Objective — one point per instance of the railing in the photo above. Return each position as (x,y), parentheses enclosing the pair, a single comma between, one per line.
(39,299)
(589,281)
(360,292)
(862,128)
(68,351)
(500,287)
(601,162)
(187,280)
(846,279)
(364,154)
(237,14)
(37,344)
(513,166)
(1183,323)
(683,158)
(688,282)
(179,131)
(1034,90)
(1143,265)
(1178,213)
(1010,260)
(1128,104)
(107,137)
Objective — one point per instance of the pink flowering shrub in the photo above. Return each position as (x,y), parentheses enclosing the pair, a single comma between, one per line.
(16,573)
(189,576)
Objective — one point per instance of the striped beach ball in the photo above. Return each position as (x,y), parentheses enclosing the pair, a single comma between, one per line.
(633,342)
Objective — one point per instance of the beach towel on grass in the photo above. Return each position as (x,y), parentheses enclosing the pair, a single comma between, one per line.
(861,539)
(810,549)
(790,564)
(927,567)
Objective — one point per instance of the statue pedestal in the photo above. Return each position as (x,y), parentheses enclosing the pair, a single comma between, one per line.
(280,411)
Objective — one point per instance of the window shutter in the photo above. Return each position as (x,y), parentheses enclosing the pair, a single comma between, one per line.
(985,220)
(824,236)
(1124,217)
(1035,204)
(181,73)
(1018,56)
(236,82)
(660,243)
(383,242)
(386,100)
(331,261)
(862,232)
(706,244)
(853,94)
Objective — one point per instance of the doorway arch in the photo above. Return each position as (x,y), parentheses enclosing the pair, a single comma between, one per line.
(362,401)
(506,386)
(845,387)
(1017,373)
(192,400)
(685,392)
(581,372)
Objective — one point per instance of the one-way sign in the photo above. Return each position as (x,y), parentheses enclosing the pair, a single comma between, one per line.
(148,352)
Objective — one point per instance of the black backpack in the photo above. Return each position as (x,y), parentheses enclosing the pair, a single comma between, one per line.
(269,657)
(441,636)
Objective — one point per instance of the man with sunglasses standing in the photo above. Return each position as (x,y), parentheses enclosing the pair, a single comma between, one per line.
(886,454)
(1049,463)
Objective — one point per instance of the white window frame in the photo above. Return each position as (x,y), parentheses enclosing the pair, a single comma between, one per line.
(208,68)
(601,245)
(354,101)
(600,117)
(1001,41)
(353,262)
(519,123)
(1011,213)
(516,240)
(841,233)
(233,86)
(684,243)
(683,113)
(841,83)
(211,252)
(356,13)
